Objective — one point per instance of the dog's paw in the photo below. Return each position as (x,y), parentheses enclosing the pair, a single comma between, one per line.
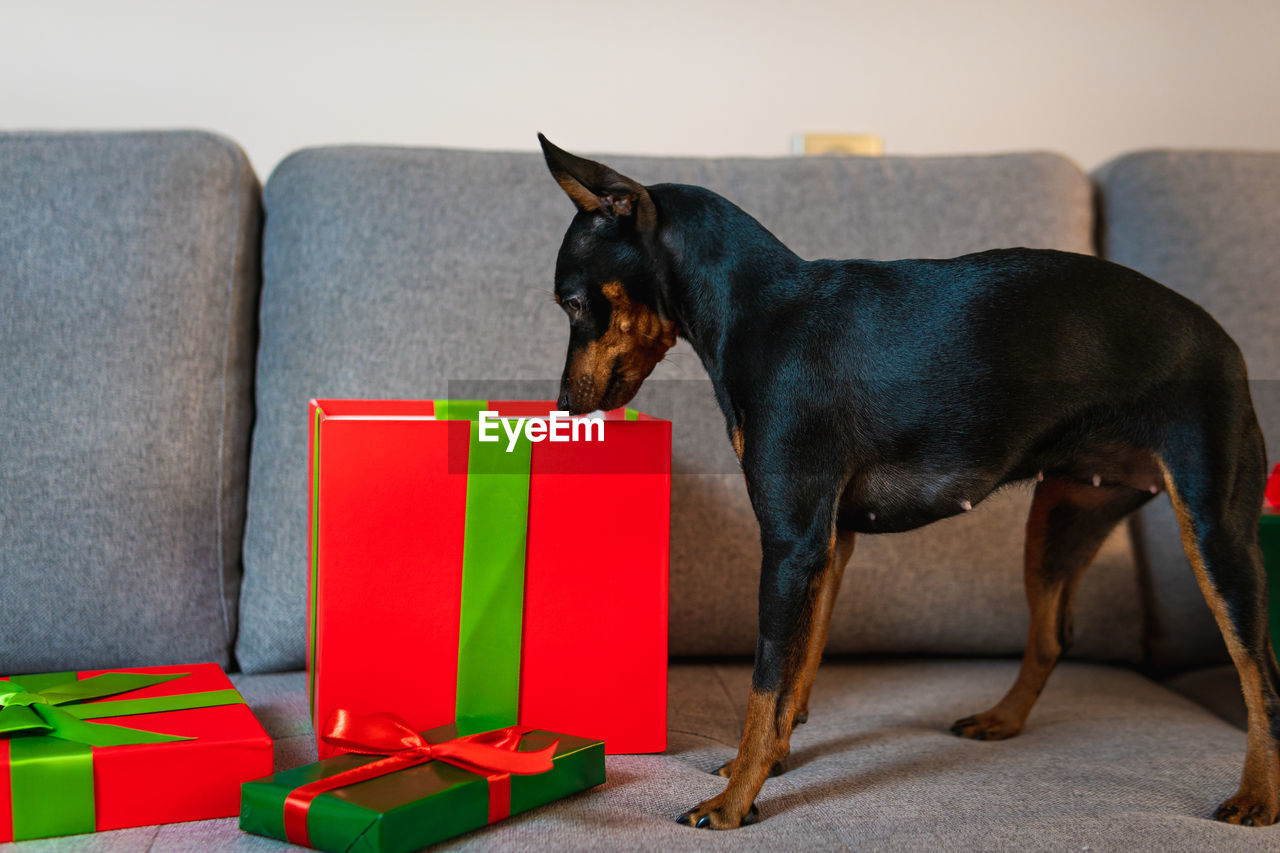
(1247,810)
(719,813)
(726,769)
(986,726)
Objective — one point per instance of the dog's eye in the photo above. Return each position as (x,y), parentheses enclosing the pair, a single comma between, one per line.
(573,306)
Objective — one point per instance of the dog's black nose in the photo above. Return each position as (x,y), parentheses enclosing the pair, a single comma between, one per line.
(562,404)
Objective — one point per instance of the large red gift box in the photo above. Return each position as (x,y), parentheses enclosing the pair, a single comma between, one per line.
(489,584)
(98,750)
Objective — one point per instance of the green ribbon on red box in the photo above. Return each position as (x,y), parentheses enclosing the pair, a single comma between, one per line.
(493,553)
(51,745)
(491,614)
(492,607)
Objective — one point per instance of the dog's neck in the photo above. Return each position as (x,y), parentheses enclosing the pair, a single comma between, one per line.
(718,267)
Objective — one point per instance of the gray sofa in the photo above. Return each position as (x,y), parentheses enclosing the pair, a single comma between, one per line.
(160,337)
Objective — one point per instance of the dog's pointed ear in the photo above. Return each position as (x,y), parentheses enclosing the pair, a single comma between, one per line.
(596,188)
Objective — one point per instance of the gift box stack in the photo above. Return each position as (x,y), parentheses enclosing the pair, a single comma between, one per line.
(487,619)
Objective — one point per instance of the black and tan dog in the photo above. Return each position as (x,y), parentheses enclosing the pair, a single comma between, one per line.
(869,397)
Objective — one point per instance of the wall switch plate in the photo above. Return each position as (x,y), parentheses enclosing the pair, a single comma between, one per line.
(862,144)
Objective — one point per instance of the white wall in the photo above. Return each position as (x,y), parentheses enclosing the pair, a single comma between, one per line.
(1089,78)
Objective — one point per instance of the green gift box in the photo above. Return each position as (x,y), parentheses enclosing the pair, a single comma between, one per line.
(1269,539)
(416,790)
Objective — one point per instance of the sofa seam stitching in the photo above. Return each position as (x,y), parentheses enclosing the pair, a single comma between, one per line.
(724,688)
(700,735)
(222,421)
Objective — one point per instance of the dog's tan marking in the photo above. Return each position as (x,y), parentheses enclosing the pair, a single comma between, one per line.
(1257,801)
(829,588)
(740,448)
(636,340)
(584,197)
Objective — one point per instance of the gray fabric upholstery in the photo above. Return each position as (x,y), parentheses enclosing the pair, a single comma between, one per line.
(400,273)
(128,276)
(1216,688)
(1109,761)
(1205,224)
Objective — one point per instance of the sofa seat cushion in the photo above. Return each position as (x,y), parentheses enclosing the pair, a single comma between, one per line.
(129,282)
(1109,761)
(1216,688)
(408,272)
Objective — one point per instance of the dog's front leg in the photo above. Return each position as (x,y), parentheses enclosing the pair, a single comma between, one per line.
(826,599)
(791,581)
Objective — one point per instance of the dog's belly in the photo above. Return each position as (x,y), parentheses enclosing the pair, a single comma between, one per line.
(891,498)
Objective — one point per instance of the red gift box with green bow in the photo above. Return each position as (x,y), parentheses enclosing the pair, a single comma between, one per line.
(454,580)
(178,743)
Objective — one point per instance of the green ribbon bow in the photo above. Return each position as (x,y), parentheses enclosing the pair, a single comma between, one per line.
(51,747)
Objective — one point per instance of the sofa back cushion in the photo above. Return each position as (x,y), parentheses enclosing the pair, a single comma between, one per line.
(399,272)
(128,276)
(1207,224)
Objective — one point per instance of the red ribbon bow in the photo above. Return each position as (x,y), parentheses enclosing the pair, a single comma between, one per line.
(491,754)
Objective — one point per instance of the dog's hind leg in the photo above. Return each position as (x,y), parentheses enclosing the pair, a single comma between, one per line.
(1216,480)
(841,551)
(1067,525)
